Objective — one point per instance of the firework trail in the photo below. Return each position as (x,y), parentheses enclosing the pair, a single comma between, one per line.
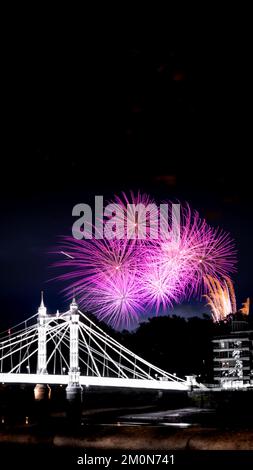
(221,298)
(231,294)
(122,279)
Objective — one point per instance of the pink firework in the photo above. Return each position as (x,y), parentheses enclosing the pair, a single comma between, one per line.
(159,284)
(104,275)
(200,251)
(115,299)
(139,217)
(121,279)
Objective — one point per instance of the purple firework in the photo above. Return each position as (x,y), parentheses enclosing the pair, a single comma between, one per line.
(200,252)
(139,217)
(121,279)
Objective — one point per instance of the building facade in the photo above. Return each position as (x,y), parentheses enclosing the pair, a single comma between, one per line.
(233,357)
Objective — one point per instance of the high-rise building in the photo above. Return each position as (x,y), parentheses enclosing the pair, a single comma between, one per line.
(233,357)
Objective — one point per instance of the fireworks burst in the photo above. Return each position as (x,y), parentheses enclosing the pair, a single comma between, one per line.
(116,300)
(122,278)
(221,298)
(138,217)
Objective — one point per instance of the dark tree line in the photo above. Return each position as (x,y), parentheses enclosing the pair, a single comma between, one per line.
(178,345)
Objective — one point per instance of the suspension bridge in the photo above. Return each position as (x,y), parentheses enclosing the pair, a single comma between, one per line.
(69,348)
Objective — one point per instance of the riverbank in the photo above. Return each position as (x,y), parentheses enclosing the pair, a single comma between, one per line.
(139,438)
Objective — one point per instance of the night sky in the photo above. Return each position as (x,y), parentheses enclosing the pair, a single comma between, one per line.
(88,121)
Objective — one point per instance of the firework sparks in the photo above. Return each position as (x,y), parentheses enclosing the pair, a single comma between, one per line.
(116,300)
(221,298)
(141,215)
(245,307)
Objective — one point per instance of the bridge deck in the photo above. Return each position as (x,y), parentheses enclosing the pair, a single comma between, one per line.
(94,381)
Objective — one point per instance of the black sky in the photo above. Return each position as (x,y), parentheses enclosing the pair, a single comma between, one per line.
(98,119)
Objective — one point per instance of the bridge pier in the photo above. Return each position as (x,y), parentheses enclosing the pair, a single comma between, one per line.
(74,391)
(42,392)
(42,406)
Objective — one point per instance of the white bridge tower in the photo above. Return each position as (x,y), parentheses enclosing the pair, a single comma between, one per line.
(74,389)
(42,338)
